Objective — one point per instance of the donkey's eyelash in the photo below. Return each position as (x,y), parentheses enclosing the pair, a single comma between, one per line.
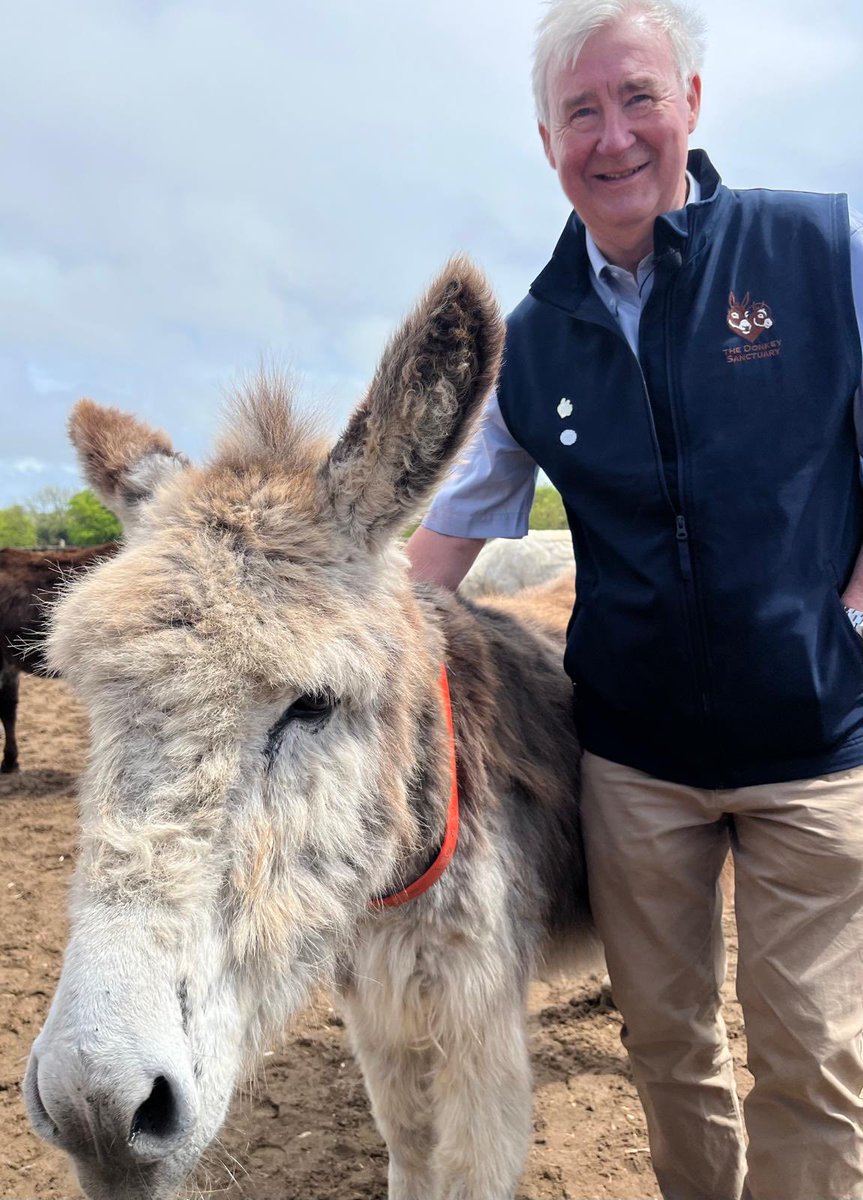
(311,708)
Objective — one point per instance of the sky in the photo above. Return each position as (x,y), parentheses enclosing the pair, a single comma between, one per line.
(193,187)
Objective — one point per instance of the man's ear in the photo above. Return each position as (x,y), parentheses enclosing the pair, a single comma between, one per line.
(123,460)
(693,99)
(547,146)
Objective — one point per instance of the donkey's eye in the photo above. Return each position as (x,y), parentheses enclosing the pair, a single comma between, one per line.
(312,708)
(312,704)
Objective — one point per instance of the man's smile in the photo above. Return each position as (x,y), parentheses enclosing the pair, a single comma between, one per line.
(617,176)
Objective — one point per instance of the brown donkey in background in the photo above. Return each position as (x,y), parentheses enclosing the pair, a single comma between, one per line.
(28,579)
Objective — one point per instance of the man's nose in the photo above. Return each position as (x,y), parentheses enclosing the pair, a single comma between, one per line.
(616,134)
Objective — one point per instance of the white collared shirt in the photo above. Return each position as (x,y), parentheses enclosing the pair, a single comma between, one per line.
(623,293)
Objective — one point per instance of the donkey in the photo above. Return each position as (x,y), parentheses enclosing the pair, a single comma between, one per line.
(740,316)
(762,315)
(28,578)
(272,770)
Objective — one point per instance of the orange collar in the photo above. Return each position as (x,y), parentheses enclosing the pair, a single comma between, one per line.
(450,837)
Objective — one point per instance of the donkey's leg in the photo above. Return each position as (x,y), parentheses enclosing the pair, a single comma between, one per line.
(8,711)
(397,1081)
(482,1097)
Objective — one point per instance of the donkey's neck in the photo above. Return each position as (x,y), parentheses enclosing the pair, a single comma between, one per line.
(451,635)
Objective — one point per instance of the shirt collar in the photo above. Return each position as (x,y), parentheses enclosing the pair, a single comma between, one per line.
(606,271)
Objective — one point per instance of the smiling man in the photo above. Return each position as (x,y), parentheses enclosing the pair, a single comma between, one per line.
(616,130)
(687,370)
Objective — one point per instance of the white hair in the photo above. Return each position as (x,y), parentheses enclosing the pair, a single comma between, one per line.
(567,24)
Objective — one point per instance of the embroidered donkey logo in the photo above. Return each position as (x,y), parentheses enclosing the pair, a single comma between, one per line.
(762,317)
(746,319)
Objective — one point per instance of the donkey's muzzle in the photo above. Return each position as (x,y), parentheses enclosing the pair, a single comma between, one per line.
(111,1112)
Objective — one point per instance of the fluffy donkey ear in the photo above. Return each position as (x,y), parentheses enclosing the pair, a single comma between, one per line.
(123,460)
(435,374)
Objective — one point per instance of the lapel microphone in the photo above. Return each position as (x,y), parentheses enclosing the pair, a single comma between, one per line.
(671,259)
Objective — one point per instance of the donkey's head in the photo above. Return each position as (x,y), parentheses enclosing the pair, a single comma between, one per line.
(762,315)
(739,315)
(261,694)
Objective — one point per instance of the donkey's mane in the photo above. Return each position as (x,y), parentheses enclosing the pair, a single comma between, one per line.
(264,426)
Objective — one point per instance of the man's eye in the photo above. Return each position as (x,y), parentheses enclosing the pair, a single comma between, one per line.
(581,114)
(642,98)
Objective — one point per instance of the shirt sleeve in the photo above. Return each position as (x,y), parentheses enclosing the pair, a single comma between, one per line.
(489,493)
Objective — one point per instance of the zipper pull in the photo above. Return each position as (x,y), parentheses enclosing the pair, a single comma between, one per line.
(682,536)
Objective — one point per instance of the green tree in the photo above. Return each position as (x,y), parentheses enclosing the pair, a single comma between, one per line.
(16,527)
(89,522)
(49,509)
(547,511)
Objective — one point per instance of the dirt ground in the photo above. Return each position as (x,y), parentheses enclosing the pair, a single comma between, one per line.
(304,1132)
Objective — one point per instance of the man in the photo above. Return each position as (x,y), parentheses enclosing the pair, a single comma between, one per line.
(685,370)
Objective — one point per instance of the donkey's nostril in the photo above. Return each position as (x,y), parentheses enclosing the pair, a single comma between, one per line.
(158,1117)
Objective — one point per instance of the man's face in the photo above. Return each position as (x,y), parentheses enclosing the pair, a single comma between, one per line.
(619,125)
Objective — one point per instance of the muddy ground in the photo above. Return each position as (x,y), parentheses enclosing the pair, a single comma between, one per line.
(304,1132)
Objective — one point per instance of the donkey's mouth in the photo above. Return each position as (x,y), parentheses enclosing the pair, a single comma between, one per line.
(158,1182)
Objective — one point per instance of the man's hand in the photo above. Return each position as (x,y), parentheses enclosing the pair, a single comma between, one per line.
(852,597)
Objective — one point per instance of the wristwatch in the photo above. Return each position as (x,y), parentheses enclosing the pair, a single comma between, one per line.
(855,616)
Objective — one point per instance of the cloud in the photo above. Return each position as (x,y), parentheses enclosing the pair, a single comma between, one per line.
(44,381)
(192,186)
(779,94)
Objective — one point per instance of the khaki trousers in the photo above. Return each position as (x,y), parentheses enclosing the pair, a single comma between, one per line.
(654,854)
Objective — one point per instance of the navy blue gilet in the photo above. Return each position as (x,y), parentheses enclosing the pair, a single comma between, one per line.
(711,487)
